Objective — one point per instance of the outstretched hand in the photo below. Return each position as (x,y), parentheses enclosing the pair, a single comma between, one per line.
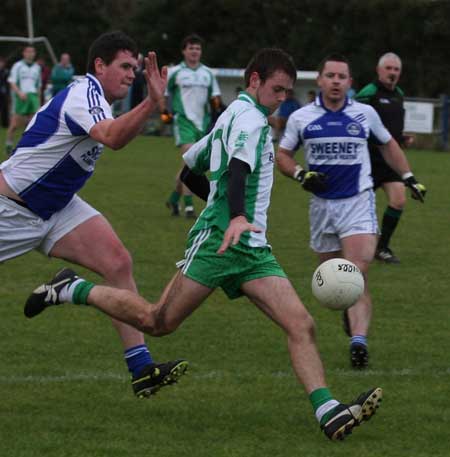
(237,227)
(156,79)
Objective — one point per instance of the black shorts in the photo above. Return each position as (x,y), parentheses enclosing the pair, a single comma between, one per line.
(382,172)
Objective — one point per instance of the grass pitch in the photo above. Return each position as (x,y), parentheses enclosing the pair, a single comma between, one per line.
(64,387)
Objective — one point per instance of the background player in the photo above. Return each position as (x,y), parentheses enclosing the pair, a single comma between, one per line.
(334,131)
(227,247)
(386,98)
(191,88)
(53,160)
(25,82)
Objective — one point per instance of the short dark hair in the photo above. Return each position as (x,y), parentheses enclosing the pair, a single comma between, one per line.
(269,60)
(334,58)
(107,45)
(193,38)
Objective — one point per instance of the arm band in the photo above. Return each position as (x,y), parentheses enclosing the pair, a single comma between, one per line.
(298,170)
(198,184)
(238,171)
(407,175)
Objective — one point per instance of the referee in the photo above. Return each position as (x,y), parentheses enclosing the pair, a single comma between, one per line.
(387,99)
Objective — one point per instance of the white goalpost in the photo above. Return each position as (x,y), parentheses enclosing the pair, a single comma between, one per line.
(31,39)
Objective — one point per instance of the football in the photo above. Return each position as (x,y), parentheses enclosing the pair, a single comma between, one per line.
(337,284)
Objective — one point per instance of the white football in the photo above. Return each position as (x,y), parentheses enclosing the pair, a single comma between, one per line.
(337,284)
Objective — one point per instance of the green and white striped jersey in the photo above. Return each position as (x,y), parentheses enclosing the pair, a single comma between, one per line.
(191,89)
(242,131)
(26,77)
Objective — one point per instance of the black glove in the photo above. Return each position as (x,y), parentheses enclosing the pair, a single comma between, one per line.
(312,181)
(418,190)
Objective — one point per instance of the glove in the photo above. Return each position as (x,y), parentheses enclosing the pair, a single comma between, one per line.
(418,190)
(311,181)
(166,117)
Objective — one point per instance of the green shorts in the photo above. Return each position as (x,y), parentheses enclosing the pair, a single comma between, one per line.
(28,106)
(230,270)
(185,131)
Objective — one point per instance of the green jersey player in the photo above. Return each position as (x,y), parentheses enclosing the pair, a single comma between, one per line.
(227,246)
(25,83)
(193,91)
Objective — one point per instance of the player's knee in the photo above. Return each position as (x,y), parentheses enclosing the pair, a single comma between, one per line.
(145,323)
(302,327)
(120,265)
(161,324)
(308,326)
(398,202)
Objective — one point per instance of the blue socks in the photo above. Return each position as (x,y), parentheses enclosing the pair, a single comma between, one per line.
(359,339)
(137,358)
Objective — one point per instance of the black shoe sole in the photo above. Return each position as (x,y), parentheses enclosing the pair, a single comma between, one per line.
(170,378)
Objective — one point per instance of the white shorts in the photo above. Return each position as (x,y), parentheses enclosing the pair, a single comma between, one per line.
(331,220)
(21,230)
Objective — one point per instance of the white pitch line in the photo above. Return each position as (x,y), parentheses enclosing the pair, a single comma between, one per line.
(217,374)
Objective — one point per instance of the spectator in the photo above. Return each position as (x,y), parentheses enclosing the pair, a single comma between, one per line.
(4,93)
(290,105)
(62,74)
(138,86)
(45,77)
(310,96)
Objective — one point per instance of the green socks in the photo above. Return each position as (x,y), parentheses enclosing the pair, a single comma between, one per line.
(188,200)
(81,292)
(323,404)
(174,198)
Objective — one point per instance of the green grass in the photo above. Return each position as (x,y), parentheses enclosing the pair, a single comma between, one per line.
(64,389)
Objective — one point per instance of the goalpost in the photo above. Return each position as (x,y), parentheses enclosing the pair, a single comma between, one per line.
(31,39)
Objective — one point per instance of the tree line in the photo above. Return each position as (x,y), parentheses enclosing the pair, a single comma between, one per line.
(233,30)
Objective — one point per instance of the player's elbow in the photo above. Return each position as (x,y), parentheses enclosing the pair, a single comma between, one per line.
(114,144)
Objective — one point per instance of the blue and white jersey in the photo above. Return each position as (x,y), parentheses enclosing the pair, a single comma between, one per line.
(335,143)
(56,155)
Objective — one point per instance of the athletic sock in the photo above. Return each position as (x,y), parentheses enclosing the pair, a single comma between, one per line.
(174,198)
(188,200)
(137,358)
(323,404)
(76,292)
(81,292)
(359,339)
(391,218)
(66,293)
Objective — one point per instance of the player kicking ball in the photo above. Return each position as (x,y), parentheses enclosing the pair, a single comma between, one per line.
(227,246)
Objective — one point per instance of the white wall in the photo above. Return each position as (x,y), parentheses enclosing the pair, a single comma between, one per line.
(231,78)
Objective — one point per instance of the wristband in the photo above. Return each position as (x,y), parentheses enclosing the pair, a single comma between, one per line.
(298,170)
(407,175)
